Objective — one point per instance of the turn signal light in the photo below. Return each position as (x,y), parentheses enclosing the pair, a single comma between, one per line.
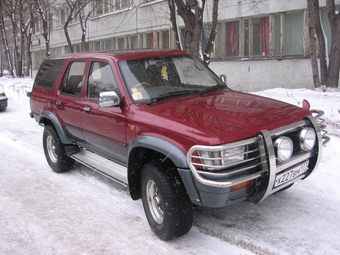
(240,185)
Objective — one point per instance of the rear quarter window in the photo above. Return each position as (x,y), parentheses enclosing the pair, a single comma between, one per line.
(48,72)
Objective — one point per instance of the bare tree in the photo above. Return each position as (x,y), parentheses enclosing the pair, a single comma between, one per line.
(172,8)
(74,7)
(27,33)
(5,41)
(329,72)
(312,41)
(83,24)
(45,9)
(334,60)
(191,11)
(10,8)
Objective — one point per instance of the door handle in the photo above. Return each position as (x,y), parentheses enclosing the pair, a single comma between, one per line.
(87,109)
(58,103)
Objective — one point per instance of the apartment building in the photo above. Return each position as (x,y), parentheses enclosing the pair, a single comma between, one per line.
(259,44)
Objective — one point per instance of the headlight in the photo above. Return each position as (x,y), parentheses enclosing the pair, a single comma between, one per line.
(233,155)
(209,159)
(284,148)
(221,158)
(307,139)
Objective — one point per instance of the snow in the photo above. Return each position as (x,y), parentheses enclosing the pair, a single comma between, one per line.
(80,212)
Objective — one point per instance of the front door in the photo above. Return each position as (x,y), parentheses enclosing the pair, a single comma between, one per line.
(103,128)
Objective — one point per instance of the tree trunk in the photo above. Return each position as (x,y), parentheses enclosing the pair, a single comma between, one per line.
(322,43)
(83,25)
(312,42)
(75,8)
(70,45)
(192,15)
(5,42)
(334,60)
(210,46)
(174,23)
(44,11)
(29,40)
(22,41)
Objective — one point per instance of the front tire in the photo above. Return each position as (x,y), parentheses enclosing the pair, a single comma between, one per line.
(166,203)
(55,152)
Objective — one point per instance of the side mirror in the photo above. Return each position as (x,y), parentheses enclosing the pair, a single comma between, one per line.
(108,99)
(223,78)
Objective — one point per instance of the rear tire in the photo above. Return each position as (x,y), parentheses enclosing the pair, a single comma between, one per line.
(55,152)
(166,203)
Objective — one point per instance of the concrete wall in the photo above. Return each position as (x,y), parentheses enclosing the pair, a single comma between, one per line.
(254,75)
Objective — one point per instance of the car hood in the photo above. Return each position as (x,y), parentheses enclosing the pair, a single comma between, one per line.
(223,116)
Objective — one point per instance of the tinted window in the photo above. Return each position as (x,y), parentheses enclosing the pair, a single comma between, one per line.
(72,81)
(48,72)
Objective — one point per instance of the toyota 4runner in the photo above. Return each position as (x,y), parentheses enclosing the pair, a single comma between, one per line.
(166,126)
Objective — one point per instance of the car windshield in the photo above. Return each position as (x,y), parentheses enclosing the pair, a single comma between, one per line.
(157,78)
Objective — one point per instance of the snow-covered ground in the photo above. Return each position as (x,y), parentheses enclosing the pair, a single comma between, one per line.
(80,212)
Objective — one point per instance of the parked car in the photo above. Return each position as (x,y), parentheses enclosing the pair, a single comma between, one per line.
(165,125)
(3,100)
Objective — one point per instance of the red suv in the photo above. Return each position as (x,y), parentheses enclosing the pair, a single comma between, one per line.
(164,124)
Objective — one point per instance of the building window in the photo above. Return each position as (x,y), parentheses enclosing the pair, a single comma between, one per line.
(293,34)
(121,43)
(134,42)
(261,36)
(149,41)
(96,45)
(232,38)
(165,39)
(122,4)
(62,17)
(108,44)
(77,47)
(103,7)
(37,27)
(279,34)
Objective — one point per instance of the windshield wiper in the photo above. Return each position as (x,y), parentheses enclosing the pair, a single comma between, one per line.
(213,88)
(171,95)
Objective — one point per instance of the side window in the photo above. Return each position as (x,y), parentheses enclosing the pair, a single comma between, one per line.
(72,80)
(101,78)
(48,72)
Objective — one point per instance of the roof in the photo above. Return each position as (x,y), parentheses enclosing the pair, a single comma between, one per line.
(122,54)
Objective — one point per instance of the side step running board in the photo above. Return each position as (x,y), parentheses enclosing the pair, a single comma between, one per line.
(102,165)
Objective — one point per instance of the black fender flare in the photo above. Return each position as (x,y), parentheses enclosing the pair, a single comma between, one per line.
(156,144)
(53,118)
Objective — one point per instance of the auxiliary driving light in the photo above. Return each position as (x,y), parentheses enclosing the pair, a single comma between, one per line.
(284,148)
(307,139)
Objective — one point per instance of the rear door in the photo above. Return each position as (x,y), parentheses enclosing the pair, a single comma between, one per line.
(68,103)
(103,128)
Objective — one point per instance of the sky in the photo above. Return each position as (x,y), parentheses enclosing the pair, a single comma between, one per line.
(81,212)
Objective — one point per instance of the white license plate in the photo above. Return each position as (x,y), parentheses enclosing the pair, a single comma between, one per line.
(291,174)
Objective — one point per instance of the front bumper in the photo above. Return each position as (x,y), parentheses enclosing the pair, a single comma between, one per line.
(260,170)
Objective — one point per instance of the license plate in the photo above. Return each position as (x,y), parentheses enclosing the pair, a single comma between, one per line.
(291,174)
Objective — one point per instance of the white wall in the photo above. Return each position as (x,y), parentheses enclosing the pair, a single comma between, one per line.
(254,75)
